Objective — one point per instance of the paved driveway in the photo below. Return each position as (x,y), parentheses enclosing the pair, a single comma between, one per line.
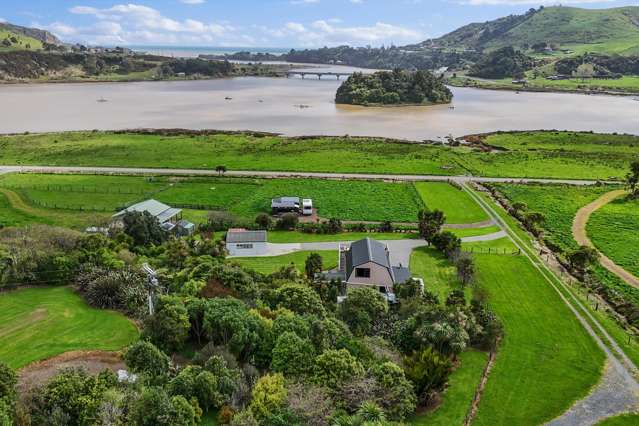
(400,250)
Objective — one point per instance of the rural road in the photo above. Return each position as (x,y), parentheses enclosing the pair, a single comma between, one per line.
(400,250)
(276,174)
(581,236)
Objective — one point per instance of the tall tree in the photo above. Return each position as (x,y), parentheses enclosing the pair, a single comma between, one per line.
(430,223)
(632,180)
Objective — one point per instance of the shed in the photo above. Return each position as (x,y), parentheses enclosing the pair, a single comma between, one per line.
(240,242)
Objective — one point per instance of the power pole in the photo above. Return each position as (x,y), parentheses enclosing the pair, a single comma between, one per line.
(151,286)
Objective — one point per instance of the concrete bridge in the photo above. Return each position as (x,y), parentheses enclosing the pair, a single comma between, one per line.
(319,74)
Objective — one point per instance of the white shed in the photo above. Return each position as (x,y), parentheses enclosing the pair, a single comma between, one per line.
(243,243)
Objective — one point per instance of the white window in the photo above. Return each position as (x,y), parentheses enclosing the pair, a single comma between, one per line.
(244,246)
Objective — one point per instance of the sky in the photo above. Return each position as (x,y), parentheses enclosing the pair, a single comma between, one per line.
(263,23)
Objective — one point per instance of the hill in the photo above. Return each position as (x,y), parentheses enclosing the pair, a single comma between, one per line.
(29,34)
(613,30)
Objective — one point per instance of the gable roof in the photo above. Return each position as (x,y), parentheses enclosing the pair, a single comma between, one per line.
(365,251)
(240,236)
(155,208)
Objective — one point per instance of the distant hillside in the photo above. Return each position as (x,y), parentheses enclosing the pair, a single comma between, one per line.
(19,38)
(599,30)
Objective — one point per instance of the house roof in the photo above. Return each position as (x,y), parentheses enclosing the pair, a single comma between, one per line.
(365,251)
(237,236)
(155,208)
(401,274)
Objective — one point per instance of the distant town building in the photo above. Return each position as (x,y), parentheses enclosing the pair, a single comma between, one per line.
(169,218)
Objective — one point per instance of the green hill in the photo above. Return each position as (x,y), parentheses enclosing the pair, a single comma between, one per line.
(580,30)
(15,37)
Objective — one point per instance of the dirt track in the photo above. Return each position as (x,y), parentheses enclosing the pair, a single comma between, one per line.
(581,236)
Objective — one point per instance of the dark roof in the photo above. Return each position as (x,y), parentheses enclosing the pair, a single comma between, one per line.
(401,274)
(364,251)
(246,237)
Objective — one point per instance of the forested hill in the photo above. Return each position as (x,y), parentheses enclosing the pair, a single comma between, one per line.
(605,30)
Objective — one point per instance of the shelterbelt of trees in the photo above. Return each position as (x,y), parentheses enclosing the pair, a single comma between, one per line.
(393,88)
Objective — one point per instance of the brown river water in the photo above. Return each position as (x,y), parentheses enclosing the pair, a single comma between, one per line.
(298,107)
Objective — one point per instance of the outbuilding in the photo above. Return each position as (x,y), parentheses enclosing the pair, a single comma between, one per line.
(240,242)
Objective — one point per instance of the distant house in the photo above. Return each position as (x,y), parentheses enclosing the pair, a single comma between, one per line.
(170,218)
(366,263)
(240,242)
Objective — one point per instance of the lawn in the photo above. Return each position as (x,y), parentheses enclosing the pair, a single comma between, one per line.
(438,273)
(455,203)
(623,420)
(38,323)
(546,360)
(268,265)
(579,159)
(614,230)
(459,394)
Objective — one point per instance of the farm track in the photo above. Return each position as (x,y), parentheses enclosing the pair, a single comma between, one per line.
(581,236)
(280,174)
(618,390)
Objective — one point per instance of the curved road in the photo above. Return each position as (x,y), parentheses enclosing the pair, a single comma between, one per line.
(581,236)
(279,174)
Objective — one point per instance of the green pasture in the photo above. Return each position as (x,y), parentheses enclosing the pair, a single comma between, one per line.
(38,323)
(243,152)
(614,230)
(455,203)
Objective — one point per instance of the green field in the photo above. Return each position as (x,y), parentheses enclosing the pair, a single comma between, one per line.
(626,84)
(268,265)
(22,42)
(39,323)
(623,420)
(560,205)
(455,203)
(242,152)
(459,394)
(438,273)
(614,230)
(246,198)
(546,360)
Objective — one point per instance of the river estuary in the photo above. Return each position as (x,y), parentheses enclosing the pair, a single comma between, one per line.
(298,107)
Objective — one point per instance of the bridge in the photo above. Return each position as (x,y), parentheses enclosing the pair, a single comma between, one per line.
(319,74)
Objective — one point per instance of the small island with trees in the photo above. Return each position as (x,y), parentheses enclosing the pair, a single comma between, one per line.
(393,88)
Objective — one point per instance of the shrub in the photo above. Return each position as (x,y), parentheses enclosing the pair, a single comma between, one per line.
(168,327)
(335,367)
(269,396)
(300,299)
(292,355)
(361,309)
(429,372)
(143,228)
(143,357)
(288,222)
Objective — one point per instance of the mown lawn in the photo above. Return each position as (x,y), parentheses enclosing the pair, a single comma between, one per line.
(438,273)
(39,323)
(268,265)
(459,394)
(614,230)
(623,420)
(546,360)
(579,159)
(455,203)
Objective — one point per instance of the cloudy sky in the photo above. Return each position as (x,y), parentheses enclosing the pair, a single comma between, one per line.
(266,23)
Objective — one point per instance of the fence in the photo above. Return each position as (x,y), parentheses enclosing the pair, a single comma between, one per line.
(84,189)
(490,250)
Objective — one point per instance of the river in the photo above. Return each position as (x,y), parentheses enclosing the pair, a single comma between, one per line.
(298,107)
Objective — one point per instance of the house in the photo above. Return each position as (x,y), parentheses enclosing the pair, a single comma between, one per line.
(366,263)
(285,205)
(169,218)
(240,242)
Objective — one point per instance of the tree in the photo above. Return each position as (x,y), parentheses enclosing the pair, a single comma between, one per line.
(168,328)
(155,407)
(448,243)
(314,265)
(465,269)
(292,355)
(582,258)
(429,372)
(362,308)
(585,71)
(269,396)
(220,169)
(8,393)
(399,400)
(430,223)
(144,357)
(288,222)
(335,367)
(263,221)
(456,298)
(143,228)
(300,299)
(632,179)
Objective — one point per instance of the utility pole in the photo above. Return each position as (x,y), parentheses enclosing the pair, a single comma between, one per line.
(151,286)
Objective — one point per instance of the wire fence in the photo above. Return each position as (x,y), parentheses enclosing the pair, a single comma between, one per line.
(493,250)
(87,189)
